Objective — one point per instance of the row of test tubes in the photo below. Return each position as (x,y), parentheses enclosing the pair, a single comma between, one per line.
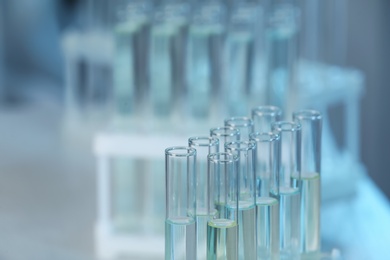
(175,60)
(250,190)
(203,58)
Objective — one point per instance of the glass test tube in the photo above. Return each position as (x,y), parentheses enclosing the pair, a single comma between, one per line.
(204,146)
(131,32)
(222,233)
(167,56)
(289,189)
(225,134)
(180,224)
(267,194)
(311,123)
(241,47)
(246,152)
(244,124)
(264,116)
(282,28)
(206,42)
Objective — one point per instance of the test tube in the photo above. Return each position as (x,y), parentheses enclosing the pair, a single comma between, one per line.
(206,40)
(241,47)
(225,134)
(311,123)
(180,223)
(244,124)
(246,152)
(264,116)
(282,26)
(167,57)
(289,189)
(222,233)
(131,33)
(204,146)
(267,194)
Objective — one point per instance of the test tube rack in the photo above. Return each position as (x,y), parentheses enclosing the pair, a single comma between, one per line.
(339,86)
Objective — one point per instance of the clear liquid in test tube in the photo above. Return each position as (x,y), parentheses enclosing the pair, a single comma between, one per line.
(204,146)
(222,226)
(267,194)
(289,189)
(180,222)
(246,210)
(311,123)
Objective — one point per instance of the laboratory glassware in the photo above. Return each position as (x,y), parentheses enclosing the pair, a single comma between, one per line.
(205,61)
(264,116)
(244,124)
(310,181)
(267,194)
(222,226)
(241,45)
(180,223)
(225,134)
(203,146)
(246,153)
(131,38)
(289,189)
(88,51)
(282,26)
(167,57)
(131,20)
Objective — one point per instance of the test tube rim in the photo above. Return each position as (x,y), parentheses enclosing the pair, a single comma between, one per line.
(169,12)
(234,158)
(248,121)
(272,136)
(267,110)
(253,7)
(279,126)
(234,132)
(307,114)
(203,16)
(251,145)
(134,11)
(212,141)
(190,151)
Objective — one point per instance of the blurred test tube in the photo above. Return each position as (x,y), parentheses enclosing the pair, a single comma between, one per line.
(205,58)
(167,57)
(242,47)
(282,26)
(131,33)
(88,64)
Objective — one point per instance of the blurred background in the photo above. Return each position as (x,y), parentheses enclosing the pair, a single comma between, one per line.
(92,91)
